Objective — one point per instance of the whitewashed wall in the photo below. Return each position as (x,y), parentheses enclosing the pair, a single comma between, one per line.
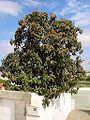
(13,105)
(82,99)
(24,106)
(58,110)
(7,110)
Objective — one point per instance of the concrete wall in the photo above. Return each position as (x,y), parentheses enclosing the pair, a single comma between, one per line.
(31,113)
(25,106)
(58,110)
(13,105)
(82,99)
(7,111)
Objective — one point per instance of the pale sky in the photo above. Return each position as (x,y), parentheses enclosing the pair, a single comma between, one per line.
(13,10)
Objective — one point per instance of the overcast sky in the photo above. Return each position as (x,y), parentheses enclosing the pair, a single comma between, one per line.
(13,10)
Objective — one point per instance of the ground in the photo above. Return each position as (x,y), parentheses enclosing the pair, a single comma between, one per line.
(79,115)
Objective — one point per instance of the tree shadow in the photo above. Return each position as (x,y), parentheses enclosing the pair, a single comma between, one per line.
(87,111)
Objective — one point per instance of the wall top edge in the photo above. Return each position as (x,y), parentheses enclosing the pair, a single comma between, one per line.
(16,95)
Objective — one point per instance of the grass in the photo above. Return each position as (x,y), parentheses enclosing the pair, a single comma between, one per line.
(85,83)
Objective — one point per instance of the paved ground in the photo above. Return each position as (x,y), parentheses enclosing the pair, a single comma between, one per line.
(79,115)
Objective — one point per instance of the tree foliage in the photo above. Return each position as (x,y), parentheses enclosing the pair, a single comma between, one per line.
(42,61)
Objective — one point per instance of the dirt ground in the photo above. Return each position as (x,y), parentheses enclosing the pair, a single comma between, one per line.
(79,115)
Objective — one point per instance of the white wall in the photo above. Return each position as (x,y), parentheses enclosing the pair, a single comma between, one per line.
(82,99)
(13,105)
(58,110)
(24,106)
(7,109)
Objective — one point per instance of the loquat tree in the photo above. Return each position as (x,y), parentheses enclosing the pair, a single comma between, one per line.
(42,61)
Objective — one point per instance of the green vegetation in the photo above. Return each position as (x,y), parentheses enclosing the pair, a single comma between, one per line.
(83,85)
(85,82)
(2,81)
(87,78)
(42,59)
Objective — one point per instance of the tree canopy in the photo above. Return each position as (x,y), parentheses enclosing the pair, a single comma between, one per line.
(42,61)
